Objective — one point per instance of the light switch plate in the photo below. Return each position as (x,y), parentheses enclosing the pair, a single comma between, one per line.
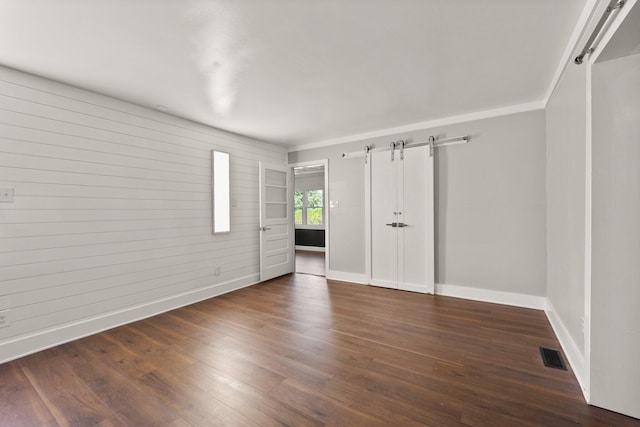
(6,195)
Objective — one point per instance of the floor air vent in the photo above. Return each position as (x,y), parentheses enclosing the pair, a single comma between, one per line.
(552,358)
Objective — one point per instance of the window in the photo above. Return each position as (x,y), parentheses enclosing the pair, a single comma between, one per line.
(221,196)
(309,207)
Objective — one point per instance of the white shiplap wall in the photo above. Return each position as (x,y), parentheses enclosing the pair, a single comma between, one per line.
(111,220)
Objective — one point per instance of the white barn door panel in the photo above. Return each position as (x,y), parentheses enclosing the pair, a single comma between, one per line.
(384,199)
(400,219)
(417,237)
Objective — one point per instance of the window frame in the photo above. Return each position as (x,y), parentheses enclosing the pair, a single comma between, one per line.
(305,206)
(220,183)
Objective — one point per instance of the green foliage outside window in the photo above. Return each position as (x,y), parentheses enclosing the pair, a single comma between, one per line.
(308,207)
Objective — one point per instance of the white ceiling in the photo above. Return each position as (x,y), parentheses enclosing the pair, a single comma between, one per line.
(296,71)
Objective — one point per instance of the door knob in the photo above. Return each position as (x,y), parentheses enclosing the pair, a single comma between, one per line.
(265,228)
(393,224)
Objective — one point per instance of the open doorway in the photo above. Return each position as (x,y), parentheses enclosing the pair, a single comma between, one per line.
(311,217)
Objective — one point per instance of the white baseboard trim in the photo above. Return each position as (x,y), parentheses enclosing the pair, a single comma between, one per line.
(497,297)
(422,289)
(570,349)
(344,276)
(383,284)
(309,248)
(41,340)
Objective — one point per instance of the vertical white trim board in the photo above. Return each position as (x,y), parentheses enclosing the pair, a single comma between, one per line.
(584,374)
(41,340)
(496,297)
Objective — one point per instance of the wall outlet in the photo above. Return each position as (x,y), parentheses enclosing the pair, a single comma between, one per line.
(6,195)
(216,272)
(4,319)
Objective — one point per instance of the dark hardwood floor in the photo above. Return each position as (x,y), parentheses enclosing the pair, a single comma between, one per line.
(310,262)
(299,351)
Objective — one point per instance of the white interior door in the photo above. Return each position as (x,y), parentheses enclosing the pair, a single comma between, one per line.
(416,237)
(384,235)
(401,220)
(276,222)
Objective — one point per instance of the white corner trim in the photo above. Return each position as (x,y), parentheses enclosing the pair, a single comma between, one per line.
(487,295)
(566,59)
(571,350)
(41,340)
(345,276)
(479,115)
(584,377)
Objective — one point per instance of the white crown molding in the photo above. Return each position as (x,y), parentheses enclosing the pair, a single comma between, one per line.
(567,57)
(479,115)
(587,11)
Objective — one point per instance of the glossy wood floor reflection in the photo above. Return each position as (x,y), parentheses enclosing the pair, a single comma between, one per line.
(299,351)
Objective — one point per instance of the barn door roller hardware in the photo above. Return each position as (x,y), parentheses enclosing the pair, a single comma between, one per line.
(402,144)
(588,47)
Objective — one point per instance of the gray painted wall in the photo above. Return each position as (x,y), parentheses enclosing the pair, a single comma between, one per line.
(490,203)
(615,333)
(566,175)
(347,253)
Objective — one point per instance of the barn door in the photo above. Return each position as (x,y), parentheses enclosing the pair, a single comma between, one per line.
(400,190)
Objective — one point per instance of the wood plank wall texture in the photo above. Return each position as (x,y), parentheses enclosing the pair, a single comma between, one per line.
(112,213)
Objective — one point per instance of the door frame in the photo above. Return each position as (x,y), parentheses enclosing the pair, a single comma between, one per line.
(327,203)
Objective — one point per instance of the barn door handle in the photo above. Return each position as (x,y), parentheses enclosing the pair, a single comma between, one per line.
(402,224)
(265,228)
(393,224)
